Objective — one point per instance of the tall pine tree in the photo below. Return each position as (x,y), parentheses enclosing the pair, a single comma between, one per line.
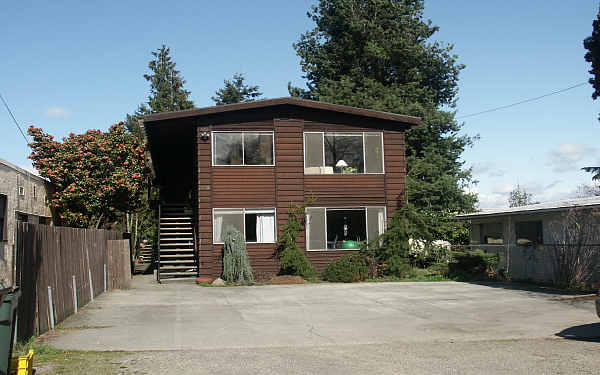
(236,91)
(166,90)
(166,94)
(378,54)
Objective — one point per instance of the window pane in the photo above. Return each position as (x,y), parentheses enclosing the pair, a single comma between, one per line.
(258,149)
(529,233)
(227,148)
(373,153)
(375,222)
(344,153)
(345,225)
(264,227)
(313,153)
(315,228)
(492,233)
(224,220)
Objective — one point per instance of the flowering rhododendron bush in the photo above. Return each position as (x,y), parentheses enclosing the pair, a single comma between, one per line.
(97,174)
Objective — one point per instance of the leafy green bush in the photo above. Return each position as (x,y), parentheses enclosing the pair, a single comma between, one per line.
(347,269)
(439,268)
(236,266)
(399,267)
(293,260)
(474,264)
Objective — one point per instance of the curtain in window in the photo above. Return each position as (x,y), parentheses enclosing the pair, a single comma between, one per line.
(265,228)
(218,227)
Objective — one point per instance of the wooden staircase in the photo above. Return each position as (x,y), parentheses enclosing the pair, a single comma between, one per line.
(176,255)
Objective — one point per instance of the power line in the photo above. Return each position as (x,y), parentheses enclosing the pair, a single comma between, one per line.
(14,119)
(523,101)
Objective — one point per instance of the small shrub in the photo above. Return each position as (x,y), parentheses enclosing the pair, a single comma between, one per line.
(347,269)
(293,260)
(236,266)
(473,265)
(399,267)
(439,268)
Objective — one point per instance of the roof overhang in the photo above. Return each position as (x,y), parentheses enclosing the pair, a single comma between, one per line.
(540,208)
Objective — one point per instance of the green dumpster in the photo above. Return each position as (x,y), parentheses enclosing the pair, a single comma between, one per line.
(8,315)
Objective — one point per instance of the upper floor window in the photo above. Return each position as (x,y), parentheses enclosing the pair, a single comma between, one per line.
(243,148)
(345,153)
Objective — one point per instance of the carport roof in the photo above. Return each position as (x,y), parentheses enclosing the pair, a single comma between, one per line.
(535,208)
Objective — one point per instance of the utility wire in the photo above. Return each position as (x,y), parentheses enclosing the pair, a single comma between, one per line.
(14,119)
(523,101)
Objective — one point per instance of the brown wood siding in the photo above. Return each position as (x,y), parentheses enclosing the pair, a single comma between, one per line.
(290,170)
(395,169)
(243,187)
(208,262)
(278,186)
(345,190)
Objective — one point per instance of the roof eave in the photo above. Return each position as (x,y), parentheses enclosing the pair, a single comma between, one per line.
(407,120)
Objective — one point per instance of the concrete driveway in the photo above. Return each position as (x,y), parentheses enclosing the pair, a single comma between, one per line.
(235,330)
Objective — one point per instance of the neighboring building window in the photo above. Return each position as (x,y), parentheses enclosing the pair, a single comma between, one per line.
(21,191)
(44,220)
(257,225)
(491,233)
(34,192)
(529,233)
(243,148)
(3,208)
(22,217)
(329,228)
(346,153)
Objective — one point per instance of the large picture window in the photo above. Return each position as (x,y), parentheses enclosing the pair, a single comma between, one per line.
(344,153)
(257,225)
(342,228)
(242,148)
(529,233)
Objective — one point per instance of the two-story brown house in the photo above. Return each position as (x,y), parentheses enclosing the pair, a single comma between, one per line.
(241,165)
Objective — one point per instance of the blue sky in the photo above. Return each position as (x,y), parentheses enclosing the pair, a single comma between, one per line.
(70,66)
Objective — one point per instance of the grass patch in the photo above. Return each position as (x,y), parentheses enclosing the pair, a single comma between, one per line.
(49,360)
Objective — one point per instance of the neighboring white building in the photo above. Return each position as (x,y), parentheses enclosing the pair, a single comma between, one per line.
(23,197)
(524,236)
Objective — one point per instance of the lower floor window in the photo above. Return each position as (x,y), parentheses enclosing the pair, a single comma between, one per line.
(257,225)
(342,228)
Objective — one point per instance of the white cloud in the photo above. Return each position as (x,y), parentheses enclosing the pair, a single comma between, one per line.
(568,156)
(57,112)
(487,168)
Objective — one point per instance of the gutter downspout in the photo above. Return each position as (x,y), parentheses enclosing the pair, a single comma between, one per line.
(508,239)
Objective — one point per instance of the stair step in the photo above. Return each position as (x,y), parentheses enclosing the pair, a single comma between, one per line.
(184,255)
(184,273)
(171,218)
(163,228)
(177,267)
(176,245)
(177,233)
(166,263)
(182,238)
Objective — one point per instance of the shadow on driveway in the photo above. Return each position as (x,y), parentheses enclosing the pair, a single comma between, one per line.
(585,332)
(527,287)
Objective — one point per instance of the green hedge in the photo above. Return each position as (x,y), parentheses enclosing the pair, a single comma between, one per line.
(347,269)
(474,264)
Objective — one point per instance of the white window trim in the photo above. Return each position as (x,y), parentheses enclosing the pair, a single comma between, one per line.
(307,233)
(245,211)
(344,134)
(212,148)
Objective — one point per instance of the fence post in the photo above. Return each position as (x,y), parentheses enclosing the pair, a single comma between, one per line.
(91,286)
(104,278)
(51,307)
(75,304)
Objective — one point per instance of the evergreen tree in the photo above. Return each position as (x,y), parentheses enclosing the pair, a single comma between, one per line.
(377,54)
(236,91)
(592,45)
(166,94)
(166,90)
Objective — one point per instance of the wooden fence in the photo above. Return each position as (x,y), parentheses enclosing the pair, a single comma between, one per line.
(61,269)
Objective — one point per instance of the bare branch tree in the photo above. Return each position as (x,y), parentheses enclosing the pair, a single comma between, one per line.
(575,249)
